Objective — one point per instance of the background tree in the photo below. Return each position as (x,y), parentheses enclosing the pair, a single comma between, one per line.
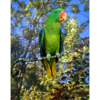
(72,81)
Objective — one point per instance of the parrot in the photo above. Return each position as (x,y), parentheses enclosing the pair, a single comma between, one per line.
(51,41)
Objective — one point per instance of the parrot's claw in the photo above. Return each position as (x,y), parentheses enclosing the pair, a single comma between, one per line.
(48,57)
(58,55)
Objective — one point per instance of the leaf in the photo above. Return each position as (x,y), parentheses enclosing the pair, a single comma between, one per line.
(41,83)
(12,9)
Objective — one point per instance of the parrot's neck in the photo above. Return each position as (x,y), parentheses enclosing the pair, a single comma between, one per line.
(52,25)
(52,21)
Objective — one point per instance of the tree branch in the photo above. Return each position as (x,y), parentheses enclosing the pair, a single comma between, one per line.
(35,59)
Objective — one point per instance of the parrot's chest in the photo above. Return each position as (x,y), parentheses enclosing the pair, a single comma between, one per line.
(52,40)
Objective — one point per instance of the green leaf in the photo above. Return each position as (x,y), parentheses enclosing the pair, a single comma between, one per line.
(87,21)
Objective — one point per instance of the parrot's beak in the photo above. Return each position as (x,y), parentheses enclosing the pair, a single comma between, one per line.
(63,16)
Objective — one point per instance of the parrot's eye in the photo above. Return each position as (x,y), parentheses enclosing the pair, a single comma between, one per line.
(56,11)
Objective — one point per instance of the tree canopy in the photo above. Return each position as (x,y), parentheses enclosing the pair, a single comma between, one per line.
(30,82)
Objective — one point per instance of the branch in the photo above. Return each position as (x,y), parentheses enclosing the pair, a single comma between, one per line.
(30,60)
(35,59)
(61,2)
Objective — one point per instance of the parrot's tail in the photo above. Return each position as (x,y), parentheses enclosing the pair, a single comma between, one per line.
(51,71)
(47,68)
(53,68)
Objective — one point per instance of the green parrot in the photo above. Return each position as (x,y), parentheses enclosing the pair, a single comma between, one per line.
(51,41)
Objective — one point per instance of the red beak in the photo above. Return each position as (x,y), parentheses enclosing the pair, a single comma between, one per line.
(63,16)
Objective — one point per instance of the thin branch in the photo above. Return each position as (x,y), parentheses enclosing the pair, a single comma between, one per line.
(61,2)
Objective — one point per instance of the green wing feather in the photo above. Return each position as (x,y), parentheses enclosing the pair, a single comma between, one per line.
(41,37)
(61,41)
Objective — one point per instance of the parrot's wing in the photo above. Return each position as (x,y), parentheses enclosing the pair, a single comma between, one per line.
(61,41)
(41,37)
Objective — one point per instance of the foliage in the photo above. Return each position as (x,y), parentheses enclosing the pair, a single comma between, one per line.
(31,83)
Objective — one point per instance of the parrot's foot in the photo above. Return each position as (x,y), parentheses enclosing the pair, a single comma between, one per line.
(58,55)
(48,57)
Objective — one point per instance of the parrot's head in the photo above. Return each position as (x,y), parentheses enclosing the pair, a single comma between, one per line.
(58,15)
